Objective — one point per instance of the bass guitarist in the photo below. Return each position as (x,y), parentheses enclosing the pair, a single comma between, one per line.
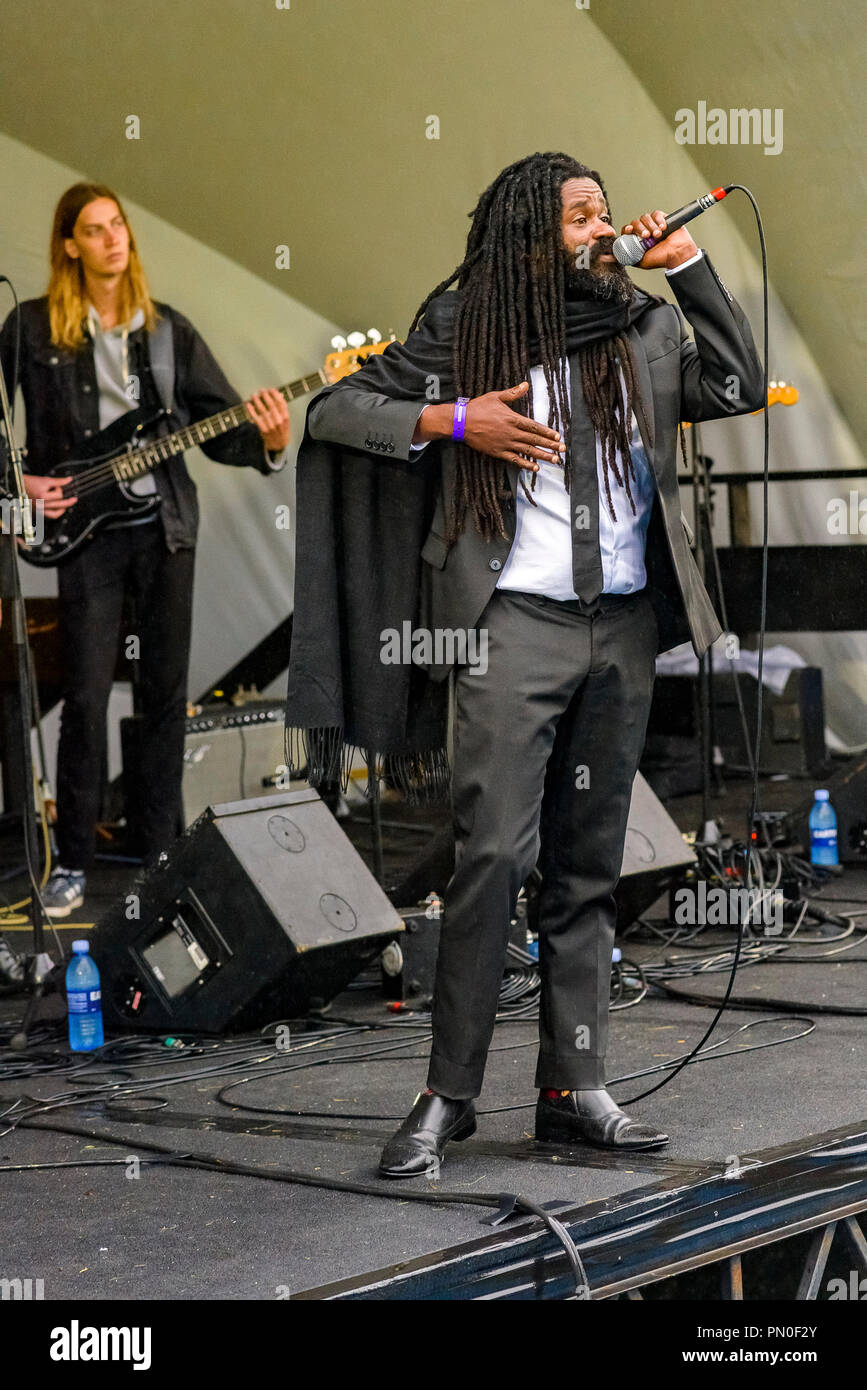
(88,355)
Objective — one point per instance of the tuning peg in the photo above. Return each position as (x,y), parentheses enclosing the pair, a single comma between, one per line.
(374,335)
(338,343)
(355,340)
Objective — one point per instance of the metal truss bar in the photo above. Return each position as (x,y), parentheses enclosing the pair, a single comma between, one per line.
(814,1266)
(732,1278)
(855,1240)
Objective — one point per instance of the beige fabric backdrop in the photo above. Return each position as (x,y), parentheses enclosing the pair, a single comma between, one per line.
(314,134)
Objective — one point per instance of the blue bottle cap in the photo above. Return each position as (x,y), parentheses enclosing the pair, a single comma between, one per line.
(823,796)
(80,948)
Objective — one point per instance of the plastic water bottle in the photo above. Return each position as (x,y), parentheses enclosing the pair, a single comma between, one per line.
(84,1000)
(823,831)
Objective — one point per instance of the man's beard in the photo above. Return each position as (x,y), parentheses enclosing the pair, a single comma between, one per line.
(600,282)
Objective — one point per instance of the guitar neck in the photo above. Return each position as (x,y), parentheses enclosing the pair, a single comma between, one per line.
(140,461)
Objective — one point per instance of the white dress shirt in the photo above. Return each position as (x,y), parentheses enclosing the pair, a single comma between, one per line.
(540,560)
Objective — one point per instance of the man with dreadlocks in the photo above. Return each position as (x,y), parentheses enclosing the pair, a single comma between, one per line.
(543,397)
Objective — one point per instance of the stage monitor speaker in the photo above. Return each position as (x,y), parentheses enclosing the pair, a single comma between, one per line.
(654,855)
(848,792)
(260,911)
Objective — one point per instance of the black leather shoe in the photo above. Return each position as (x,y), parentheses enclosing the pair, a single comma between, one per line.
(417,1147)
(563,1121)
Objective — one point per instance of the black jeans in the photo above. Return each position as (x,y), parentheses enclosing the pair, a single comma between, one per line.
(131,561)
(546,747)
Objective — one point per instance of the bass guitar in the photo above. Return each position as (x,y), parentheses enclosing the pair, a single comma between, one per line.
(136,444)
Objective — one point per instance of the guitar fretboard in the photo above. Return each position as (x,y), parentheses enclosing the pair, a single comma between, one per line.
(140,461)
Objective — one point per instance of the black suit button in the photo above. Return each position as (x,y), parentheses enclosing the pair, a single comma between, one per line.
(368,443)
(389,448)
(495,564)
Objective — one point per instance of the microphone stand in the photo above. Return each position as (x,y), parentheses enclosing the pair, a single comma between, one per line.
(40,964)
(709,830)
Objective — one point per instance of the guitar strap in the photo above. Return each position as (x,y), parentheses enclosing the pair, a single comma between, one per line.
(161,350)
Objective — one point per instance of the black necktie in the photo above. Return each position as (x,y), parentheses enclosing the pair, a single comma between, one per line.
(586,557)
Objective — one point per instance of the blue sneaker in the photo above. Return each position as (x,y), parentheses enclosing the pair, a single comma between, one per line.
(63,892)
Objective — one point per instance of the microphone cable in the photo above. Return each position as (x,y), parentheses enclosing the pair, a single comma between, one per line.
(754,788)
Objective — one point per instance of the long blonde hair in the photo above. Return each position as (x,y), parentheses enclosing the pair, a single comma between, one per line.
(66,285)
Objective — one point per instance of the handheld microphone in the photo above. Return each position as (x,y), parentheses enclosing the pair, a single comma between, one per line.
(629,250)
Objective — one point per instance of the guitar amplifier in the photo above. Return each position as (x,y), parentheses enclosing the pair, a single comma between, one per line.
(793,725)
(231,753)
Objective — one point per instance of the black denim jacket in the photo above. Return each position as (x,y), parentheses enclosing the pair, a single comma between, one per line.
(62,406)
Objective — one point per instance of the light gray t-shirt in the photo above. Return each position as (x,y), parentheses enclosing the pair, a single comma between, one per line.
(117,395)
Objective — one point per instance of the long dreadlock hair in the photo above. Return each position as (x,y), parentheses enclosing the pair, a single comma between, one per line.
(512,280)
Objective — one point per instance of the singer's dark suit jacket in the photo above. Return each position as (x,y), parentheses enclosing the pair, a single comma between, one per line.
(717,375)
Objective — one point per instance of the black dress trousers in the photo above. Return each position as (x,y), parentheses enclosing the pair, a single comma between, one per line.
(546,746)
(92,587)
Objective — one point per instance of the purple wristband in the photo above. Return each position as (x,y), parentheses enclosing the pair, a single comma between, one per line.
(460,416)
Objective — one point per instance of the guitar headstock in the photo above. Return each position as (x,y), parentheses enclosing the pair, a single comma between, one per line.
(351,353)
(781,393)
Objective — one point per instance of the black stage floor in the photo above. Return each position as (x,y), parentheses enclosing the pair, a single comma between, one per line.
(115,1229)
